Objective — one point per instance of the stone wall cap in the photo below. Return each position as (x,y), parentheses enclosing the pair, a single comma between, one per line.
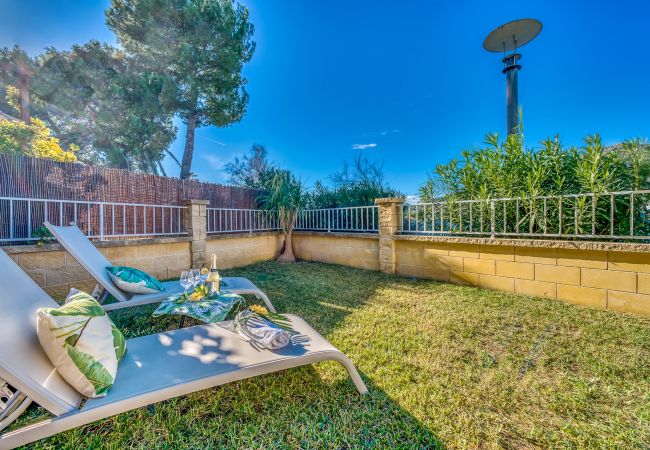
(55,246)
(336,234)
(240,235)
(196,202)
(537,243)
(388,200)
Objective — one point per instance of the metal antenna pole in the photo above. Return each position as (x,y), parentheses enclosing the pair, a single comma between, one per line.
(511,69)
(509,37)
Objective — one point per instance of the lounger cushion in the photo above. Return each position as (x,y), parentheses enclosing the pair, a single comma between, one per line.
(83,344)
(134,280)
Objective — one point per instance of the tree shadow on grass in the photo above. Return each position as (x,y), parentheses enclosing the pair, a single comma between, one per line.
(437,357)
(315,291)
(307,407)
(289,409)
(298,409)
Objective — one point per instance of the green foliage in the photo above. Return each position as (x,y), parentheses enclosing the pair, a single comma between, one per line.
(636,154)
(284,196)
(201,45)
(9,99)
(432,190)
(14,65)
(98,97)
(13,61)
(43,235)
(282,193)
(358,184)
(508,170)
(33,140)
(253,171)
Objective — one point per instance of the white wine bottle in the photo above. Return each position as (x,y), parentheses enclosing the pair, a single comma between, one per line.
(214,278)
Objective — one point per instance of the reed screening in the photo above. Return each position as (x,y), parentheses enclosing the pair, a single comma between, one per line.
(25,177)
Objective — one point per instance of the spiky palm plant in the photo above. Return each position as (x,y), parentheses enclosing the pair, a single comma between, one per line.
(284,197)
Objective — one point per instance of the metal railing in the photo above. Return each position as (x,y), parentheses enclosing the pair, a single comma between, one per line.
(21,219)
(355,218)
(230,220)
(612,215)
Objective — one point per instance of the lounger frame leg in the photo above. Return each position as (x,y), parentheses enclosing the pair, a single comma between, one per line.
(12,404)
(353,372)
(262,296)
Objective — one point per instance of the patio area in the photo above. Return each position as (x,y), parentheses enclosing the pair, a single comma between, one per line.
(446,366)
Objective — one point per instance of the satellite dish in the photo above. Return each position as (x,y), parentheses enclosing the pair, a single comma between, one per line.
(512,35)
(508,38)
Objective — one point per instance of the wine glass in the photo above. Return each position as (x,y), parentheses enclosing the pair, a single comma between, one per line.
(196,277)
(187,279)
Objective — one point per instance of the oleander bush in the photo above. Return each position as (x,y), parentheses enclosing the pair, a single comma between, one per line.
(507,169)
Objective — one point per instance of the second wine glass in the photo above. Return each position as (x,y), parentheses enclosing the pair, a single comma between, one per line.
(196,277)
(187,280)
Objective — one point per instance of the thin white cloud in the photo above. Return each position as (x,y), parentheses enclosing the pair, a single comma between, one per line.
(363,146)
(213,140)
(382,133)
(214,161)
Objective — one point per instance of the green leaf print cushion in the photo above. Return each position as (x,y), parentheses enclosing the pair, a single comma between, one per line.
(134,280)
(83,344)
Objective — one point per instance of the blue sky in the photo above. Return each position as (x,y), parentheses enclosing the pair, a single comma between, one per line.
(409,81)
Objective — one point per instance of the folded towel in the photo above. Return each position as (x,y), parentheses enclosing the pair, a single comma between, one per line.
(261,331)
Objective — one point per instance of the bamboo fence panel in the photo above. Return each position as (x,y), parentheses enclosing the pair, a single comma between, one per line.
(27,177)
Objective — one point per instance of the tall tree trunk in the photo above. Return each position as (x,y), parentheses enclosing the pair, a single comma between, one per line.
(188,152)
(287,255)
(23,88)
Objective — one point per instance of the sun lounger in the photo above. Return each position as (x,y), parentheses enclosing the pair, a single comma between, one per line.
(156,367)
(91,259)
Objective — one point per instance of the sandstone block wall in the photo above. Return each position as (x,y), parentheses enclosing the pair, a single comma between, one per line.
(244,249)
(608,279)
(355,250)
(600,275)
(57,272)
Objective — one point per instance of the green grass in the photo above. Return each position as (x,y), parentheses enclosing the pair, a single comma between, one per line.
(447,366)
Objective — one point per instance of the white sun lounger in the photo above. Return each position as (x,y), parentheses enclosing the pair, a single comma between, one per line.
(155,368)
(91,259)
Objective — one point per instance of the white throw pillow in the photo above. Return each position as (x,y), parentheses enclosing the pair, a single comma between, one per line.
(83,344)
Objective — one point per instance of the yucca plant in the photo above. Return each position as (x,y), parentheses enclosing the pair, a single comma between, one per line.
(284,197)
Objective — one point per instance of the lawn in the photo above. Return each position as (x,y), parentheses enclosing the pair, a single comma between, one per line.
(447,366)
